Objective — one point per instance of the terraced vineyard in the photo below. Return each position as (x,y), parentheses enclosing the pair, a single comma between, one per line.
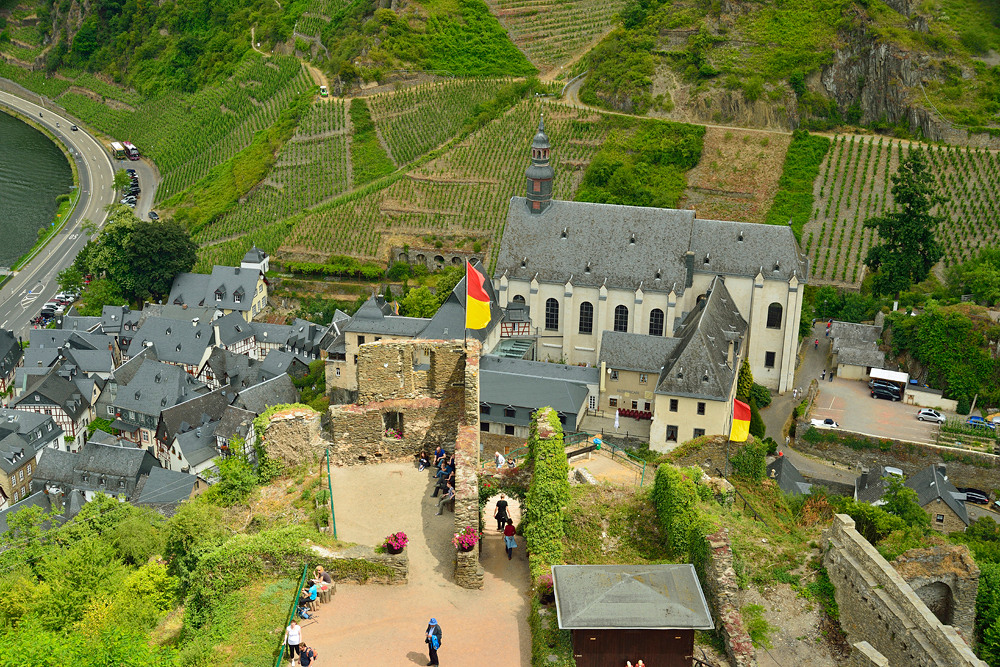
(551,32)
(187,135)
(854,184)
(412,121)
(311,167)
(463,192)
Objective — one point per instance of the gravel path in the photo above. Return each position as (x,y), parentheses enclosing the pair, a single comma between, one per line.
(384,625)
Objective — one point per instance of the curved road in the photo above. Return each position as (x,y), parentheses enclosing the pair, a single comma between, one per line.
(22,297)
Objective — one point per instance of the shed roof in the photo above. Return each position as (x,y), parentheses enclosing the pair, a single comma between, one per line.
(629,597)
(530,384)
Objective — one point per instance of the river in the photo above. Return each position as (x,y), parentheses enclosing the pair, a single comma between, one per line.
(33,173)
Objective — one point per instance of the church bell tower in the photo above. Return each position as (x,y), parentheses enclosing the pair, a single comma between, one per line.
(539,174)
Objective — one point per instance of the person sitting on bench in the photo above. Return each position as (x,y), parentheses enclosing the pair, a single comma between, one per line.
(449,495)
(422,460)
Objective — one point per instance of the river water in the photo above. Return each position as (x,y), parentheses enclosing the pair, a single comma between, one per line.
(33,172)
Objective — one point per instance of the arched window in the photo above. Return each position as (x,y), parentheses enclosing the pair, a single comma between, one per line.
(656,322)
(552,315)
(774,316)
(586,318)
(621,318)
(518,298)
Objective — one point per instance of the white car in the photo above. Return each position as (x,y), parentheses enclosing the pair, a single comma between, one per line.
(825,423)
(930,415)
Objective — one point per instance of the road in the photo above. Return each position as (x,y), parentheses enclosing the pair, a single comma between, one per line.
(22,297)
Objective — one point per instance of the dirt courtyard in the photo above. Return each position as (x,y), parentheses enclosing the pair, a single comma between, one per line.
(384,625)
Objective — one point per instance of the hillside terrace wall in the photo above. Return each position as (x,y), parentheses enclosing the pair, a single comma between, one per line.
(722,593)
(981,471)
(878,606)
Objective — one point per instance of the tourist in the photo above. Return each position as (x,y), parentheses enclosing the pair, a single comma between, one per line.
(500,513)
(293,639)
(822,376)
(433,640)
(423,461)
(438,455)
(816,344)
(306,655)
(510,542)
(449,495)
(500,460)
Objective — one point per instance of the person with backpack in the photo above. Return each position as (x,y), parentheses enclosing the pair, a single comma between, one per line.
(307,656)
(433,641)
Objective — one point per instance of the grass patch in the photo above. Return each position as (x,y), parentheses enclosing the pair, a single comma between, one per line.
(794,198)
(368,159)
(757,627)
(547,640)
(612,524)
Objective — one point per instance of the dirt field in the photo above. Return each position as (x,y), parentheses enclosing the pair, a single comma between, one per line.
(737,176)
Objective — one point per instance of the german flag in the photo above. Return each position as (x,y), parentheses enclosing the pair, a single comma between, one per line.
(741,422)
(477,302)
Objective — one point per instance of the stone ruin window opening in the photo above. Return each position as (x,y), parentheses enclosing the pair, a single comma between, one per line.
(393,424)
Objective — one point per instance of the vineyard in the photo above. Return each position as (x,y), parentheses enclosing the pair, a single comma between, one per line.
(464,192)
(412,121)
(854,184)
(187,135)
(552,33)
(311,167)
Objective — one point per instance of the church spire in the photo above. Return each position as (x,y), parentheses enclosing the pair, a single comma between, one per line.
(540,173)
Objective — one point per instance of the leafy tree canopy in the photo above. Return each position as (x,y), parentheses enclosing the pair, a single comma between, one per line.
(907,247)
(979,276)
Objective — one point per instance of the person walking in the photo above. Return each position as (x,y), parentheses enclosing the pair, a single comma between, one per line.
(500,513)
(433,640)
(816,344)
(510,542)
(822,376)
(293,639)
(306,655)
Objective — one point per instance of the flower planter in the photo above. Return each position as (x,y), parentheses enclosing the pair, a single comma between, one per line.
(467,549)
(389,549)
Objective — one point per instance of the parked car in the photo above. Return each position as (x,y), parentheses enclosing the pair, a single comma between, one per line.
(130,171)
(878,391)
(882,383)
(825,423)
(153,215)
(979,422)
(977,496)
(930,415)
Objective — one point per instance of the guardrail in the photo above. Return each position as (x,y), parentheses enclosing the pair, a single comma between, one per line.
(291,612)
(329,487)
(746,503)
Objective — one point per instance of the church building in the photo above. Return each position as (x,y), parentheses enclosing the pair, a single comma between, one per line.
(575,270)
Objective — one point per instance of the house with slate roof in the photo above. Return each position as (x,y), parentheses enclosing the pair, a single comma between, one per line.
(65,395)
(856,349)
(93,353)
(510,390)
(185,438)
(581,269)
(64,508)
(278,362)
(112,470)
(23,438)
(787,476)
(164,490)
(241,289)
(234,334)
(228,368)
(940,499)
(11,357)
(183,343)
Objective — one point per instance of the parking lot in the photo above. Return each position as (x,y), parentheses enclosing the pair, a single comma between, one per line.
(849,403)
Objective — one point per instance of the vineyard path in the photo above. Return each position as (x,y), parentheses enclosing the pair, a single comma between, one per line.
(551,75)
(253,42)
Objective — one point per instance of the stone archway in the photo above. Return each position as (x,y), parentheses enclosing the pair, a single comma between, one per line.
(939,598)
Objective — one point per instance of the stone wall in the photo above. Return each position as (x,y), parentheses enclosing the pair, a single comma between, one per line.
(294,436)
(878,606)
(864,655)
(468,571)
(351,565)
(722,591)
(972,469)
(947,580)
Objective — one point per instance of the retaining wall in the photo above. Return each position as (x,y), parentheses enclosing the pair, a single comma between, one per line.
(722,593)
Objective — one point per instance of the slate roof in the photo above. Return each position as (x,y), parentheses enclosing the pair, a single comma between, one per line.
(254,256)
(697,367)
(600,236)
(535,384)
(277,362)
(199,289)
(119,319)
(305,337)
(449,320)
(235,422)
(175,341)
(10,352)
(73,321)
(857,344)
(276,334)
(193,413)
(56,467)
(40,500)
(155,387)
(870,486)
(198,444)
(232,328)
(54,390)
(621,597)
(96,467)
(164,487)
(635,352)
(375,316)
(260,397)
(932,483)
(14,452)
(32,429)
(230,368)
(789,479)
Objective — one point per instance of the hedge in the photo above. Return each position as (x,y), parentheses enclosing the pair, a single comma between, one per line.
(675,495)
(548,494)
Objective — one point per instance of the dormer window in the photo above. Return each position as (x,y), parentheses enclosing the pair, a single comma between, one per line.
(706,257)
(631,240)
(168,331)
(137,395)
(524,262)
(237,298)
(657,275)
(219,294)
(776,267)
(565,229)
(587,269)
(740,237)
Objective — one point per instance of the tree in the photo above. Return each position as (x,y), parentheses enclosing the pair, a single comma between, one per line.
(100,293)
(903,501)
(744,385)
(757,427)
(122,179)
(419,302)
(70,279)
(907,248)
(979,276)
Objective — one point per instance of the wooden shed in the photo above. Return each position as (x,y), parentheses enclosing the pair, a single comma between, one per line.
(631,612)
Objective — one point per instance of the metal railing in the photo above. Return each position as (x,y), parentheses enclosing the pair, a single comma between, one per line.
(620,454)
(291,612)
(746,503)
(329,488)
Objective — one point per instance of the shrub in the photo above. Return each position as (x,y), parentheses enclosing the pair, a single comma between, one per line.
(749,461)
(675,495)
(548,495)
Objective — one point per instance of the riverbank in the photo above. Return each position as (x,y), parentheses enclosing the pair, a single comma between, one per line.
(67,201)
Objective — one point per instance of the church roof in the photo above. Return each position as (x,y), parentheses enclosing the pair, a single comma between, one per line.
(626,247)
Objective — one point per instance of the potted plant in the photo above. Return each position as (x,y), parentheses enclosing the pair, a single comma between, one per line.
(466,539)
(546,591)
(394,543)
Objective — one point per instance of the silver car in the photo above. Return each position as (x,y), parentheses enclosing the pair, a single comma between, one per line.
(930,415)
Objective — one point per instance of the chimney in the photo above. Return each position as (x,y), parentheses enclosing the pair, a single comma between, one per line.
(689,266)
(730,355)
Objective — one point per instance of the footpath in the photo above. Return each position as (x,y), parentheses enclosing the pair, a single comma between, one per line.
(384,625)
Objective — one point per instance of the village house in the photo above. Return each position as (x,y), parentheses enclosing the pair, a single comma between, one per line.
(67,396)
(241,289)
(11,357)
(23,438)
